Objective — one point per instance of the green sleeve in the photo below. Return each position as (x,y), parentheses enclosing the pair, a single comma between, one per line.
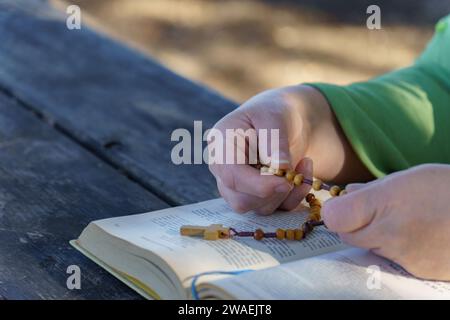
(402,118)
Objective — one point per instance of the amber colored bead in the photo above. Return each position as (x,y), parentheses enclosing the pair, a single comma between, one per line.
(310,197)
(315,203)
(290,234)
(314,209)
(281,234)
(314,217)
(290,175)
(279,172)
(258,234)
(298,234)
(317,184)
(298,179)
(334,191)
(343,192)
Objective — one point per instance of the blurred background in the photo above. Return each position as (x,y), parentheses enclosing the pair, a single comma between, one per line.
(240,48)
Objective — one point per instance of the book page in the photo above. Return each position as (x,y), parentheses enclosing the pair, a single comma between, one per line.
(347,274)
(158,232)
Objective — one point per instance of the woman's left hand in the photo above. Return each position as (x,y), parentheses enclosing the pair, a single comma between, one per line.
(404,217)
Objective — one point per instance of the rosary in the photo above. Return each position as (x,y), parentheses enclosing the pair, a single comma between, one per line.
(218,231)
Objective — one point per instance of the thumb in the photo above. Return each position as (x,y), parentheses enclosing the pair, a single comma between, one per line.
(273,143)
(354,187)
(352,211)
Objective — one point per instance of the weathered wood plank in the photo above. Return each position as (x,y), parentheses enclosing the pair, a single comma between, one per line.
(50,189)
(112,99)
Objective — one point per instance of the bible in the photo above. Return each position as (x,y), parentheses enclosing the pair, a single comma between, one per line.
(147,252)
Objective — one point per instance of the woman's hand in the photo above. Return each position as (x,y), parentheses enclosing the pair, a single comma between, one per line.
(307,130)
(404,217)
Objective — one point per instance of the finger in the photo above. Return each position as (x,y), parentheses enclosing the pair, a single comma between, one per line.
(364,238)
(273,142)
(351,212)
(272,205)
(354,186)
(246,179)
(241,202)
(294,198)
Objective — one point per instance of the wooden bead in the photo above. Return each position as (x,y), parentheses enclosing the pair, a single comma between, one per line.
(279,172)
(314,209)
(281,234)
(290,175)
(290,234)
(310,197)
(314,217)
(298,179)
(317,184)
(315,203)
(334,191)
(259,234)
(298,234)
(343,192)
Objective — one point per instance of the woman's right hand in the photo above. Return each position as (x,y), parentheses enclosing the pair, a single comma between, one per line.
(307,129)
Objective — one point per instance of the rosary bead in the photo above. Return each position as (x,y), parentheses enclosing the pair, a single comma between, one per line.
(258,234)
(281,234)
(315,203)
(343,192)
(290,175)
(314,209)
(334,191)
(290,234)
(314,217)
(298,179)
(317,185)
(279,172)
(310,197)
(298,234)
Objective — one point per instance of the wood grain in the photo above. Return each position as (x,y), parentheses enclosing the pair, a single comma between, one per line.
(50,189)
(118,103)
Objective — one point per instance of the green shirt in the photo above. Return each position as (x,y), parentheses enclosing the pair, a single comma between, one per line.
(402,118)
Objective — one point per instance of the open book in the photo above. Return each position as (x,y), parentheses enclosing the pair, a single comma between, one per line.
(147,252)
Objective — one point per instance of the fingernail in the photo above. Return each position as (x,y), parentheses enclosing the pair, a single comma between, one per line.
(282,188)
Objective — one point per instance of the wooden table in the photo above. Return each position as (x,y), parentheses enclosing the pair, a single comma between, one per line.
(85,127)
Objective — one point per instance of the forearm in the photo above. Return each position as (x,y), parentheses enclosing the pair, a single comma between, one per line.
(332,154)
